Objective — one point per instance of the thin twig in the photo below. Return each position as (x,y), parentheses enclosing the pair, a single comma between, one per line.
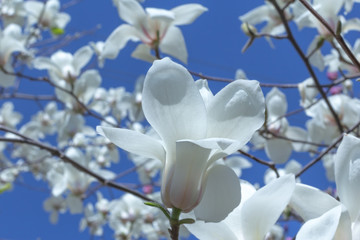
(271,165)
(307,64)
(57,153)
(338,37)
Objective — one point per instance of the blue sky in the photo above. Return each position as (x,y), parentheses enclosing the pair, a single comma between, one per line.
(214,42)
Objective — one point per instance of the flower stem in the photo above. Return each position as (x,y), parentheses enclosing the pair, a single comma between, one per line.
(175,224)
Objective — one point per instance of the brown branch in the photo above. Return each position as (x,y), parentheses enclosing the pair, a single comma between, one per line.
(271,165)
(338,37)
(307,64)
(77,100)
(57,153)
(200,75)
(333,145)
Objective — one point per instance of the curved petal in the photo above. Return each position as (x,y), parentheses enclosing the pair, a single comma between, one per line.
(237,111)
(130,11)
(347,174)
(262,209)
(278,150)
(297,134)
(82,57)
(345,229)
(172,103)
(221,147)
(174,44)
(183,177)
(205,91)
(310,202)
(44,63)
(276,103)
(86,85)
(213,198)
(134,142)
(211,231)
(321,228)
(143,52)
(118,39)
(187,13)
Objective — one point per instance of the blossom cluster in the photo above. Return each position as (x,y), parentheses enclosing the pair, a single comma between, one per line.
(185,142)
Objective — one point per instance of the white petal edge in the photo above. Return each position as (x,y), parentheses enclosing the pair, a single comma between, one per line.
(187,13)
(134,142)
(172,103)
(237,111)
(321,228)
(260,212)
(347,174)
(218,201)
(174,44)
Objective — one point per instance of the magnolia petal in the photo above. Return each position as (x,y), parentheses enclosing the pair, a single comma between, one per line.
(351,25)
(256,15)
(164,16)
(143,52)
(174,44)
(347,174)
(310,202)
(205,91)
(134,142)
(278,150)
(118,39)
(260,212)
(44,63)
(62,19)
(276,103)
(211,231)
(321,228)
(74,203)
(172,103)
(300,134)
(316,59)
(187,13)
(82,57)
(345,228)
(130,11)
(183,177)
(240,103)
(213,198)
(86,85)
(221,147)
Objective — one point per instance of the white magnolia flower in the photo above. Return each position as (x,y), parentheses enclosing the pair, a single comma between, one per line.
(83,88)
(12,11)
(266,13)
(278,144)
(63,65)
(55,205)
(254,217)
(325,217)
(155,28)
(335,63)
(129,216)
(46,14)
(8,117)
(11,40)
(93,220)
(196,128)
(308,92)
(322,127)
